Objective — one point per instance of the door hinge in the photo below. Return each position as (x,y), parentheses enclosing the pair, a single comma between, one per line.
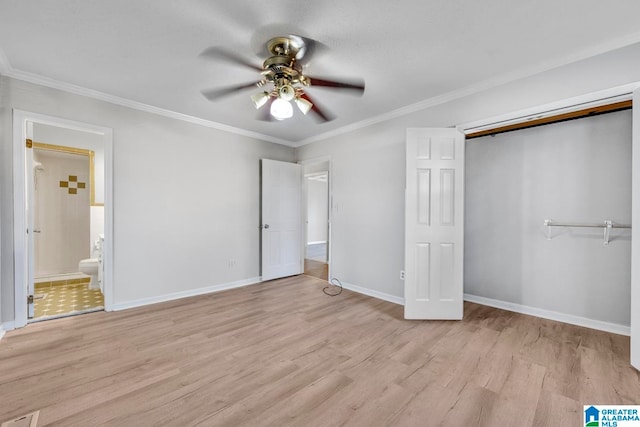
(29,143)
(30,299)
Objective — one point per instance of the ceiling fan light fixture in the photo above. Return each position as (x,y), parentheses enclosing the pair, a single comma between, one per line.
(281,109)
(286,92)
(259,99)
(303,105)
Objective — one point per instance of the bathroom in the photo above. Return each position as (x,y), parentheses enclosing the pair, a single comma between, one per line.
(68,219)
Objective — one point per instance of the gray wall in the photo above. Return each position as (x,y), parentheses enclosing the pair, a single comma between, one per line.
(185,197)
(368,164)
(576,171)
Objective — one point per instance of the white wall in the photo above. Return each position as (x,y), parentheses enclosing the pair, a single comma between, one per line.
(96,227)
(317,210)
(368,164)
(62,217)
(77,139)
(72,138)
(186,197)
(367,203)
(576,171)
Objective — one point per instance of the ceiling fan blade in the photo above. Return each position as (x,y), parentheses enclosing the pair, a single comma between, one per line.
(312,48)
(215,94)
(216,52)
(320,114)
(355,85)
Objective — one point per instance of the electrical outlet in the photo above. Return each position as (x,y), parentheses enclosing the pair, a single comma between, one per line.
(401,274)
(232,263)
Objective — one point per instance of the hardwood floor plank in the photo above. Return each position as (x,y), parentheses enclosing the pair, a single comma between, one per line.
(283,353)
(557,410)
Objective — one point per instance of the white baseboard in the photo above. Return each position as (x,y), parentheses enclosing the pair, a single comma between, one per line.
(376,294)
(5,327)
(316,243)
(551,315)
(184,294)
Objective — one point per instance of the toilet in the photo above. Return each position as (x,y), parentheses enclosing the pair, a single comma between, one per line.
(92,267)
(89,267)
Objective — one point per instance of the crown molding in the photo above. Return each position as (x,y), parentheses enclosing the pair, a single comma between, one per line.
(9,71)
(480,87)
(563,106)
(101,96)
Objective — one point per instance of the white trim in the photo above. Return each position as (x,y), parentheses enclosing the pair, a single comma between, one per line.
(635,243)
(329,173)
(2,332)
(589,100)
(107,242)
(7,326)
(479,87)
(315,160)
(185,294)
(8,70)
(19,219)
(90,93)
(316,243)
(613,328)
(20,118)
(375,294)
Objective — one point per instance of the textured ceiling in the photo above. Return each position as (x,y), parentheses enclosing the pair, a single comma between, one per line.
(407,51)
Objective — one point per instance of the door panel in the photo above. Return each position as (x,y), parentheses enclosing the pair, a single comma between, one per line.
(281,219)
(434,224)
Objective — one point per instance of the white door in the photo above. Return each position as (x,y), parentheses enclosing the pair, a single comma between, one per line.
(281,219)
(434,219)
(635,242)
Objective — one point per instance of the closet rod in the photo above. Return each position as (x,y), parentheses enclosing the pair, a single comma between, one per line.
(606,225)
(550,223)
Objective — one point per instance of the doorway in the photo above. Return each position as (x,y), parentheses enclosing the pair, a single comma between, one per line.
(82,153)
(317,218)
(68,224)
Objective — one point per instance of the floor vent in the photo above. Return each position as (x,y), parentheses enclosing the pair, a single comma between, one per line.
(29,420)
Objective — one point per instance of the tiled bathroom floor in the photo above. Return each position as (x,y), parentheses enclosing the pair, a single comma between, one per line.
(59,300)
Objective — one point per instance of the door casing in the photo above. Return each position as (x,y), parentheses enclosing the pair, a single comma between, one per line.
(22,249)
(309,162)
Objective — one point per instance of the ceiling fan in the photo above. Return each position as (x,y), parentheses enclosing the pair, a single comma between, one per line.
(283,80)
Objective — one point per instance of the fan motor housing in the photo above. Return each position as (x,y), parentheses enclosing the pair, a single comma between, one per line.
(286,46)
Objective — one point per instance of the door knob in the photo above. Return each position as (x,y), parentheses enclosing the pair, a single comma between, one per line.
(266,226)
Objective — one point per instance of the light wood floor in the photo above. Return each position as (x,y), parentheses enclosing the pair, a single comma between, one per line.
(283,353)
(316,269)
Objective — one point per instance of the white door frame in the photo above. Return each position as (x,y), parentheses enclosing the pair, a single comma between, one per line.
(20,247)
(607,96)
(309,162)
(635,224)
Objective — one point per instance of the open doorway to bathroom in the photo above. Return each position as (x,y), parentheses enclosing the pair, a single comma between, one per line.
(317,223)
(68,222)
